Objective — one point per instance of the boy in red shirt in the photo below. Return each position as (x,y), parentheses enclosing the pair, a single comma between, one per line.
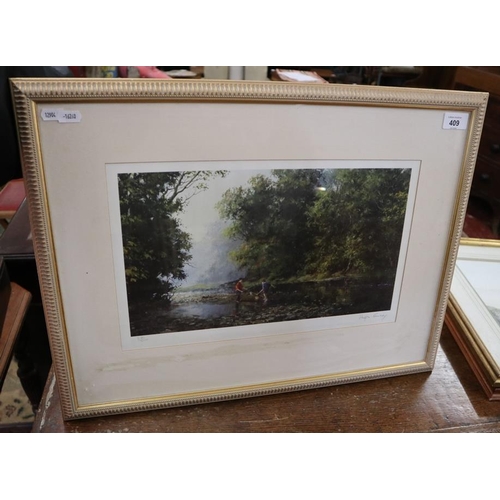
(239,290)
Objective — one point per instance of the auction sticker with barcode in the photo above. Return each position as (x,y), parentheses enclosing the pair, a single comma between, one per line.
(61,115)
(455,121)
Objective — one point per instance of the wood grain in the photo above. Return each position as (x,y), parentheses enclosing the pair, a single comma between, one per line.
(16,311)
(450,399)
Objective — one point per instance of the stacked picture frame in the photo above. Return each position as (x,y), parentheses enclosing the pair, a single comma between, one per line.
(473,315)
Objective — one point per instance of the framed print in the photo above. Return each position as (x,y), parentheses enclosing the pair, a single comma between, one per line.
(474,310)
(207,240)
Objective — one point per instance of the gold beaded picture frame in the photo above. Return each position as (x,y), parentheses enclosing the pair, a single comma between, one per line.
(199,241)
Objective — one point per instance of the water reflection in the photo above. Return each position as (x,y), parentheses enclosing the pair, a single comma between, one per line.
(288,302)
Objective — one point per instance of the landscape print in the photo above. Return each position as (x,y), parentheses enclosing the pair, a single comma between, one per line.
(212,249)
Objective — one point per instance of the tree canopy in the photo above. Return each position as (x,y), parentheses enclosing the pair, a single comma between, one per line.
(293,224)
(155,246)
(318,223)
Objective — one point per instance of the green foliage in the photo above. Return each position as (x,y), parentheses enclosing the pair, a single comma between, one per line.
(318,223)
(358,222)
(270,217)
(155,246)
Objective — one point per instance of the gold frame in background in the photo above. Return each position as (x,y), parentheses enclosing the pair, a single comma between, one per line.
(470,337)
(30,94)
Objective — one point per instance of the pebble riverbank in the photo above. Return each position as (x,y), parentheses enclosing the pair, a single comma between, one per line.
(219,309)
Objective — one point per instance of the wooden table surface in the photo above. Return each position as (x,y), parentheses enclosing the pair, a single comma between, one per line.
(449,399)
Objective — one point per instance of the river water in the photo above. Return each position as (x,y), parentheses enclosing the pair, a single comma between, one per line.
(218,308)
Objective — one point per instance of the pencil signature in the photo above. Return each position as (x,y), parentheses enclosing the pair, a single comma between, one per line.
(379,316)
